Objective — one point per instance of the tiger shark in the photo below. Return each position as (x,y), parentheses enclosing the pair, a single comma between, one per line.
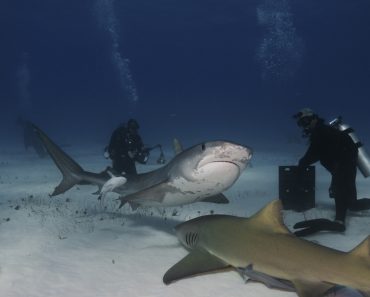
(262,249)
(200,173)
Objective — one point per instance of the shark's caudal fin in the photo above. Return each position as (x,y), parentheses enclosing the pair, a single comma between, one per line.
(72,172)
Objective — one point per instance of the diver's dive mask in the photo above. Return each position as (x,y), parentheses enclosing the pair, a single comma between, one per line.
(304,119)
(305,122)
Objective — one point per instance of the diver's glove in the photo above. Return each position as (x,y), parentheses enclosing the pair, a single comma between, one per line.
(131,154)
(142,156)
(316,225)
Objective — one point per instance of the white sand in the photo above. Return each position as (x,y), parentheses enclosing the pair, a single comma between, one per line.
(71,245)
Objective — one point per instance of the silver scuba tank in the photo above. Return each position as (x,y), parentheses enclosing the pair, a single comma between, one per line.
(363,160)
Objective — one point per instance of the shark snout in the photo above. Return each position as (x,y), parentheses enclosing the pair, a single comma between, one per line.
(241,156)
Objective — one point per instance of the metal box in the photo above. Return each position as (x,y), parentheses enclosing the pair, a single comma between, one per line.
(297,187)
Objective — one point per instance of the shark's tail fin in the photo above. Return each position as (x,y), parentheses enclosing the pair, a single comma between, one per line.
(72,172)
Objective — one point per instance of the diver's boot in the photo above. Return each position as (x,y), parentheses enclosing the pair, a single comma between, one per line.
(316,225)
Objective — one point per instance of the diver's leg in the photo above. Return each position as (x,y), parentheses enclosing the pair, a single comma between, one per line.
(128,166)
(118,165)
(344,180)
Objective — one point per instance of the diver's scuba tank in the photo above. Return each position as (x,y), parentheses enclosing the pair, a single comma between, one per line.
(363,160)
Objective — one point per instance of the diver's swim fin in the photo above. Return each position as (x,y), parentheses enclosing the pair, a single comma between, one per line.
(316,225)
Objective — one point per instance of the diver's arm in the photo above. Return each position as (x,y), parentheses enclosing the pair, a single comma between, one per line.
(311,156)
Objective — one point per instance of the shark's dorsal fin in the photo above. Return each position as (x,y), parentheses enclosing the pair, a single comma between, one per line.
(154,193)
(270,216)
(196,262)
(177,147)
(363,249)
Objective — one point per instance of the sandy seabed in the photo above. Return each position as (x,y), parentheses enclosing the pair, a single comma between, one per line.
(74,245)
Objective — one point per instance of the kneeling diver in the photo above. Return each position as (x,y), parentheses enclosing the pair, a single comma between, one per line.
(338,153)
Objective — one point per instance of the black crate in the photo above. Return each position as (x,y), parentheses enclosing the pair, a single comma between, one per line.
(297,187)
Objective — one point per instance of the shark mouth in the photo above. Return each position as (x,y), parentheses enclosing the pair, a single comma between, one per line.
(218,173)
(221,162)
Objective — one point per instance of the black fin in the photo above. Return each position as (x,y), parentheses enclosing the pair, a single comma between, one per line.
(316,225)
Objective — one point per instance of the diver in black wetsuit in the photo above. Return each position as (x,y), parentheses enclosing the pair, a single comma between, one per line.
(126,147)
(337,152)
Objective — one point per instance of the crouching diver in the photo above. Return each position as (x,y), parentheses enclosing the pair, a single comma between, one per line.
(338,153)
(126,147)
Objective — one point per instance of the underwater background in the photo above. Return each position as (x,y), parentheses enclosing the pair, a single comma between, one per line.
(195,69)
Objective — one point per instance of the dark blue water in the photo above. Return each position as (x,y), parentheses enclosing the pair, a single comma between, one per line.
(195,69)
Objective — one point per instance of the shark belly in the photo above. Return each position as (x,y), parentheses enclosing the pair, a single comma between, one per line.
(287,258)
(210,180)
(263,249)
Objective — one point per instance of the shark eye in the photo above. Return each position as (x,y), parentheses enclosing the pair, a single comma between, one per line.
(203,147)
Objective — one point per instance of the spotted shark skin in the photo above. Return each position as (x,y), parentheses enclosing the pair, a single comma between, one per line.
(199,173)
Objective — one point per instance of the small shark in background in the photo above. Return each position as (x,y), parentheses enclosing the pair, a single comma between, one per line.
(200,173)
(262,249)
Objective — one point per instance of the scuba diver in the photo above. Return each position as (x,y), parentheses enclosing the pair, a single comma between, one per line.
(126,147)
(338,153)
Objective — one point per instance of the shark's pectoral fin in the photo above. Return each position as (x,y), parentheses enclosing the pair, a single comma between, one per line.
(219,198)
(248,273)
(196,262)
(154,193)
(134,206)
(311,289)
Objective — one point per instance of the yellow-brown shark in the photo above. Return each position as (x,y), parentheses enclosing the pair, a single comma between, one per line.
(263,249)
